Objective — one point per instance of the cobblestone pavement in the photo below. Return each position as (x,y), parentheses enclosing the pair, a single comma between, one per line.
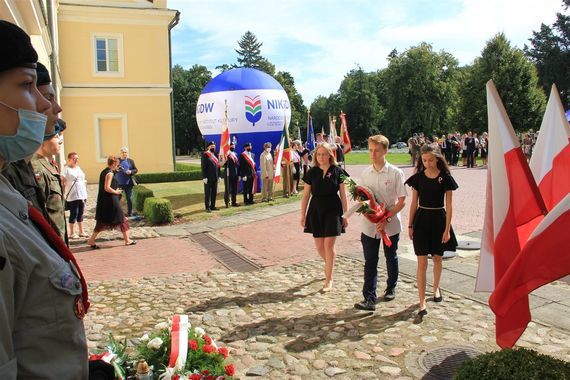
(277,322)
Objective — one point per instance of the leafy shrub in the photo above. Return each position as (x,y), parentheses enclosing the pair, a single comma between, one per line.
(520,364)
(186,167)
(158,210)
(169,176)
(140,193)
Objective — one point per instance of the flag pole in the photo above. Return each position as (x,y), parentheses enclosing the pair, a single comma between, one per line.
(226,179)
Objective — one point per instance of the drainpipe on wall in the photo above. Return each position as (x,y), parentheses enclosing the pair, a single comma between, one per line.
(171,25)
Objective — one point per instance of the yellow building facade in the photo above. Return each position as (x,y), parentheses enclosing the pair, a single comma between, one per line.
(112,63)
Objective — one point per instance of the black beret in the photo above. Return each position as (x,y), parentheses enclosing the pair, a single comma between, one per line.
(211,143)
(15,47)
(246,145)
(43,75)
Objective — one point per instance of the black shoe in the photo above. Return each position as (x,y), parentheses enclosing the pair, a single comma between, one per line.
(215,209)
(389,294)
(438,299)
(422,313)
(208,210)
(365,305)
(235,205)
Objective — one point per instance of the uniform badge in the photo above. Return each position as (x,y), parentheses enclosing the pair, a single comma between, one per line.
(38,175)
(78,308)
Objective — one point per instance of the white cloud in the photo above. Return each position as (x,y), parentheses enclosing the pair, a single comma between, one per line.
(343,34)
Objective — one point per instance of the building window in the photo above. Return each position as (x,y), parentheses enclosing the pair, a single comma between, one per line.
(111,134)
(108,52)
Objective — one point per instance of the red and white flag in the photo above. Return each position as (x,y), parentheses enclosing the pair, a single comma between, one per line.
(550,161)
(225,136)
(514,208)
(282,153)
(544,258)
(347,145)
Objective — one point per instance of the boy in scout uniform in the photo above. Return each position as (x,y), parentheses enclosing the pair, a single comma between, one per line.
(45,169)
(43,296)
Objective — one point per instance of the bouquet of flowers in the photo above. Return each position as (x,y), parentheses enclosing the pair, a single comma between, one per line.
(366,205)
(176,351)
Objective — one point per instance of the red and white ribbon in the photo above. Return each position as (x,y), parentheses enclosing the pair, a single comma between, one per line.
(178,342)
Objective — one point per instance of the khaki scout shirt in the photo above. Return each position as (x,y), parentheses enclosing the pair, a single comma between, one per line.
(21,176)
(49,180)
(40,335)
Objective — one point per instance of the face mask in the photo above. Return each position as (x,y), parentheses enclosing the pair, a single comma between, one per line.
(232,149)
(212,150)
(248,149)
(28,137)
(268,150)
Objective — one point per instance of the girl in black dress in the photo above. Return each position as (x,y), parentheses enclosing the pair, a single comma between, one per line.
(108,213)
(430,222)
(324,217)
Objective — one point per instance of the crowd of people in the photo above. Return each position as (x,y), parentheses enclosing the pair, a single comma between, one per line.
(243,168)
(454,146)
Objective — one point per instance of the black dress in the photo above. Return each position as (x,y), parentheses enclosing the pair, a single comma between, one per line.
(108,212)
(324,216)
(429,220)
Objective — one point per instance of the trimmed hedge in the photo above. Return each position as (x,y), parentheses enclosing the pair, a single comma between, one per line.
(169,176)
(186,167)
(140,193)
(520,364)
(158,210)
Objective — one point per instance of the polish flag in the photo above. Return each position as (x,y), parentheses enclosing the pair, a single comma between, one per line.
(225,136)
(544,258)
(514,207)
(550,162)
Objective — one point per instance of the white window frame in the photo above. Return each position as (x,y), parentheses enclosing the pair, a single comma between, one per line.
(120,55)
(100,156)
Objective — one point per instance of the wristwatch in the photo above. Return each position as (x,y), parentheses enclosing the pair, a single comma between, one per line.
(389,219)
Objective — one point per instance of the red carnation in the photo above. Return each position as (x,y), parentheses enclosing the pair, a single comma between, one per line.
(205,371)
(208,348)
(193,345)
(230,370)
(223,351)
(207,339)
(195,376)
(176,377)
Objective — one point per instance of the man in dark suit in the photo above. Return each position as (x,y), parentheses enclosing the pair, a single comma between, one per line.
(232,174)
(210,175)
(248,173)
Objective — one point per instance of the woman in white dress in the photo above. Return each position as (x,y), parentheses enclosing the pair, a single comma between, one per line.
(75,195)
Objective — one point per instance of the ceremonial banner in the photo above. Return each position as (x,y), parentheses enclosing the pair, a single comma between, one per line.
(513,209)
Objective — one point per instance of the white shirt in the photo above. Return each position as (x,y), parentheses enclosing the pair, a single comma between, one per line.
(387,185)
(77,191)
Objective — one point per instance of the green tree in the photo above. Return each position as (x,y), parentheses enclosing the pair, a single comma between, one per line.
(323,107)
(516,80)
(359,102)
(187,86)
(249,54)
(550,52)
(419,88)
(298,109)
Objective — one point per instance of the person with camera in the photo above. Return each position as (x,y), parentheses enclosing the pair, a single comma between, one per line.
(125,177)
(108,213)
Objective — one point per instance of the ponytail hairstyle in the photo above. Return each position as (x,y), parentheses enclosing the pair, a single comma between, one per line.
(436,152)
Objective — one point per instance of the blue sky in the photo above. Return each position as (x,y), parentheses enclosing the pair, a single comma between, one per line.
(319,41)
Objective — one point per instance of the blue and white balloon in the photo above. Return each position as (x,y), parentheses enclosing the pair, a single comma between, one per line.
(257,106)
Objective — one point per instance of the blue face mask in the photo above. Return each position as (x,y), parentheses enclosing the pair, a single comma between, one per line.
(28,137)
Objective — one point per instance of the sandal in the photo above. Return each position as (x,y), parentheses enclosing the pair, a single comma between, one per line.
(94,246)
(132,242)
(84,235)
(74,236)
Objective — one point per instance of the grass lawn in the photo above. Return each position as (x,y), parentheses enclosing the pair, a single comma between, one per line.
(361,157)
(187,199)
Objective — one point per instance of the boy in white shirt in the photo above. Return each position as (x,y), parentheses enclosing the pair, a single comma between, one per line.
(386,182)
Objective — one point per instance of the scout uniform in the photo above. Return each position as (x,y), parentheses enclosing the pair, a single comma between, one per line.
(21,176)
(49,180)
